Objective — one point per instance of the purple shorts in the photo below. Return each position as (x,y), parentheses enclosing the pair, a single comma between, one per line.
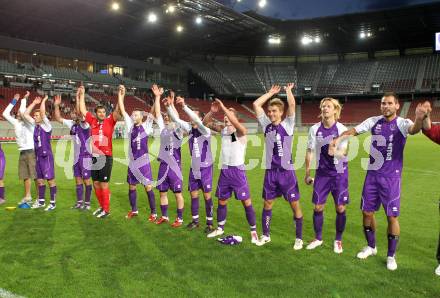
(143,175)
(168,179)
(83,167)
(381,190)
(44,167)
(204,181)
(2,164)
(232,179)
(280,182)
(336,185)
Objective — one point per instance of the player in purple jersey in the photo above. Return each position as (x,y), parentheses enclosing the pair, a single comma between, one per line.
(280,178)
(200,175)
(170,168)
(139,167)
(383,179)
(82,165)
(232,177)
(2,174)
(44,166)
(331,171)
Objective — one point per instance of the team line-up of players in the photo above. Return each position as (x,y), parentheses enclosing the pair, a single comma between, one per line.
(327,144)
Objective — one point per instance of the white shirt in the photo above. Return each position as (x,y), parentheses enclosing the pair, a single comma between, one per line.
(233,153)
(288,123)
(24,132)
(403,125)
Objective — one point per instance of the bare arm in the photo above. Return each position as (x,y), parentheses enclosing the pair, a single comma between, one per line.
(308,161)
(156,106)
(121,96)
(290,100)
(82,102)
(27,113)
(7,112)
(57,113)
(23,103)
(333,147)
(421,113)
(258,104)
(242,131)
(43,107)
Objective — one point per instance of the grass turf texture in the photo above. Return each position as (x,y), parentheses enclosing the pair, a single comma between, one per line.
(69,253)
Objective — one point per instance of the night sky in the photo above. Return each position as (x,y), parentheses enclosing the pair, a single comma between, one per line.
(293,9)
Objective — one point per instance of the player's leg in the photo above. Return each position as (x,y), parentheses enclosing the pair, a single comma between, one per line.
(209,210)
(26,172)
(53,194)
(105,175)
(298,220)
(222,211)
(132,197)
(180,204)
(341,219)
(393,239)
(151,202)
(163,208)
(194,210)
(88,195)
(79,189)
(370,203)
(2,172)
(41,194)
(369,223)
(266,219)
(251,219)
(98,194)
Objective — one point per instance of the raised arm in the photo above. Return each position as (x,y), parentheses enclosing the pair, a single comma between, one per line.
(258,104)
(208,120)
(82,102)
(186,126)
(203,129)
(242,131)
(427,123)
(77,110)
(7,112)
(156,106)
(27,114)
(121,96)
(56,106)
(421,113)
(43,107)
(290,99)
(23,103)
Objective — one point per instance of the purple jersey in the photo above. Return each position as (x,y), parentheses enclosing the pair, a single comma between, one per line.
(278,140)
(387,144)
(170,143)
(42,136)
(200,148)
(81,134)
(319,139)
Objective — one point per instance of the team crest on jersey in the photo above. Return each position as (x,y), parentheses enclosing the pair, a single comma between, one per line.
(392,126)
(378,129)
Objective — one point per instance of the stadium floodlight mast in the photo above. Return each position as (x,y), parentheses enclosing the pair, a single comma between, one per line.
(152,17)
(306,40)
(199,20)
(261,3)
(179,28)
(171,9)
(274,39)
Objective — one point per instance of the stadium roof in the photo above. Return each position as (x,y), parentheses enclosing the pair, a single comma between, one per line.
(93,25)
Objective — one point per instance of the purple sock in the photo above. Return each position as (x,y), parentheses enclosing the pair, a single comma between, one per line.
(53,194)
(222,211)
(41,193)
(341,219)
(2,192)
(370,236)
(209,208)
(132,196)
(195,209)
(164,210)
(299,227)
(88,194)
(251,218)
(392,244)
(180,213)
(318,219)
(151,201)
(265,221)
(79,194)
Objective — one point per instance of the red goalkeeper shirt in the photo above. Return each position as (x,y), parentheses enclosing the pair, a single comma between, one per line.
(433,133)
(102,134)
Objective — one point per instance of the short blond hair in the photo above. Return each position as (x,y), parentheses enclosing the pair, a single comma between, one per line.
(336,105)
(277,102)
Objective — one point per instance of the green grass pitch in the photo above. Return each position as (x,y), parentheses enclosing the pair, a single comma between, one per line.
(70,253)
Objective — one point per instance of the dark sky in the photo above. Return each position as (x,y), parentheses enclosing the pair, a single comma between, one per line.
(294,9)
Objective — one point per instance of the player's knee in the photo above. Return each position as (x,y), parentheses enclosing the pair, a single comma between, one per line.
(223,202)
(393,219)
(368,215)
(268,204)
(319,208)
(194,194)
(247,202)
(340,208)
(148,188)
